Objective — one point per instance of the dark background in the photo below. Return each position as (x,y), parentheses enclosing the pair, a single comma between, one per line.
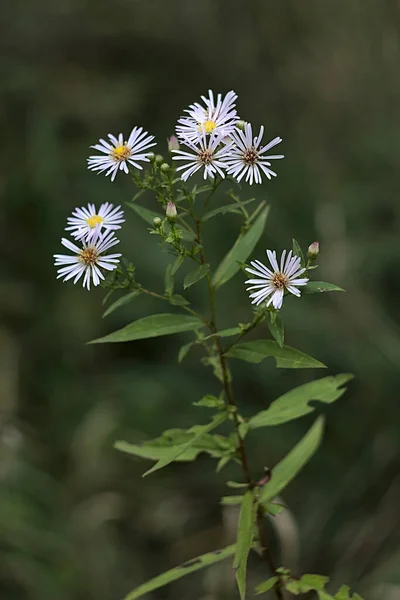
(77,521)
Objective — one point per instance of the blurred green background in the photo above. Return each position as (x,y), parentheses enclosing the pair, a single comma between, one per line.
(77,521)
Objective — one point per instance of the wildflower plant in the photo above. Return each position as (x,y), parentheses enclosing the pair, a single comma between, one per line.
(218,150)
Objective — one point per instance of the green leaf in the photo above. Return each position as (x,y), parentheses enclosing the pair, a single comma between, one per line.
(214,445)
(295,403)
(231,500)
(289,467)
(240,251)
(210,401)
(236,484)
(313,287)
(152,326)
(297,251)
(286,357)
(244,540)
(273,508)
(178,300)
(275,326)
(343,593)
(227,208)
(267,585)
(146,214)
(121,302)
(195,276)
(190,566)
(178,262)
(224,333)
(184,350)
(199,431)
(169,281)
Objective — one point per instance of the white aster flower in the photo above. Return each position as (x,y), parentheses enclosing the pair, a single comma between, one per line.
(215,117)
(119,153)
(248,156)
(85,221)
(205,155)
(88,260)
(273,284)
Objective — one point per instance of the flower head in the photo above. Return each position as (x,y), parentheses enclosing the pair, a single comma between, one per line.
(88,259)
(272,284)
(206,155)
(218,117)
(85,221)
(171,212)
(247,156)
(119,153)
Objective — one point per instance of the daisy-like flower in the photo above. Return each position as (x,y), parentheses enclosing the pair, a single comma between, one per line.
(205,155)
(272,284)
(119,153)
(218,117)
(88,260)
(248,156)
(85,221)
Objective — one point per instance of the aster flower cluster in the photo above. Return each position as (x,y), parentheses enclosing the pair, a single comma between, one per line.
(219,143)
(210,139)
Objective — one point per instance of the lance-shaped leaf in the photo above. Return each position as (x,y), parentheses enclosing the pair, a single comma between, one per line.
(315,287)
(227,208)
(289,467)
(121,302)
(240,251)
(146,214)
(244,539)
(286,357)
(295,403)
(190,566)
(161,447)
(275,326)
(195,276)
(152,326)
(267,585)
(198,431)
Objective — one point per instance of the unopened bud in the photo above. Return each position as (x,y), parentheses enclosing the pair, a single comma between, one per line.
(157,222)
(165,168)
(313,250)
(159,159)
(171,212)
(173,143)
(240,125)
(151,156)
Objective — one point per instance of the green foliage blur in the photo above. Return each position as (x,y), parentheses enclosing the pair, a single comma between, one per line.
(77,521)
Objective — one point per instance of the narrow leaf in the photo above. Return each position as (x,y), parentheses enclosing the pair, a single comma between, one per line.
(228,208)
(313,287)
(199,431)
(293,462)
(267,585)
(240,251)
(121,302)
(178,300)
(224,333)
(275,326)
(190,566)
(286,357)
(178,262)
(244,539)
(184,350)
(231,500)
(152,326)
(295,403)
(195,276)
(146,214)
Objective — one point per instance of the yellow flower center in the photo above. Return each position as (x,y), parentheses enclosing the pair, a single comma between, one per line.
(121,153)
(207,126)
(280,280)
(94,220)
(89,256)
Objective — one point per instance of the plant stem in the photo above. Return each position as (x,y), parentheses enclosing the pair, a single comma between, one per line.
(262,534)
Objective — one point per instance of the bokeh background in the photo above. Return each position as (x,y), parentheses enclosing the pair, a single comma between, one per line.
(77,521)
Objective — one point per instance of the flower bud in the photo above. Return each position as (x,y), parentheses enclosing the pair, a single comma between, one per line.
(157,222)
(173,143)
(165,168)
(151,156)
(159,159)
(313,250)
(171,212)
(240,125)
